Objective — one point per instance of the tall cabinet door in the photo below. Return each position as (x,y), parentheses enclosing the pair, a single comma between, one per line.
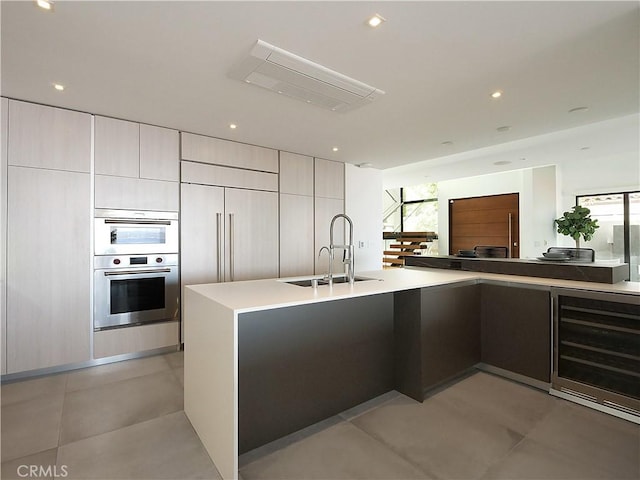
(202,225)
(3,236)
(48,268)
(296,215)
(251,235)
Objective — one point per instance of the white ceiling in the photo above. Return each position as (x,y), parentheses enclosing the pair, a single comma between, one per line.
(166,63)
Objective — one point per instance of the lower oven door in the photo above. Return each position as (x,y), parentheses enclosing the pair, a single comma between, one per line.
(135,296)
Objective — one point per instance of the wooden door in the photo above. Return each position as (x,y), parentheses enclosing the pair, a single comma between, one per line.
(490,221)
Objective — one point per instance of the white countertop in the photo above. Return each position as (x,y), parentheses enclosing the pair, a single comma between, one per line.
(253,295)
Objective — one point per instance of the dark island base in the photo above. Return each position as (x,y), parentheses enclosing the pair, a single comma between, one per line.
(583,272)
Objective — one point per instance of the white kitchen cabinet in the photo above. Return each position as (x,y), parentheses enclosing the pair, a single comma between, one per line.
(136,193)
(252,234)
(296,235)
(108,343)
(325,210)
(117,147)
(227,234)
(201,229)
(193,172)
(48,137)
(48,268)
(3,236)
(129,149)
(233,226)
(296,215)
(296,174)
(216,151)
(159,153)
(328,178)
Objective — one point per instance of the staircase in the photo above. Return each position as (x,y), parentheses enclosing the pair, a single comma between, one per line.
(406,244)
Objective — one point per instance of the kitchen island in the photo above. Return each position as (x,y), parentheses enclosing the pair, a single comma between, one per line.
(265,358)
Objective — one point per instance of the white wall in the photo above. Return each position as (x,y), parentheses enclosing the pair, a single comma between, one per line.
(537,202)
(609,173)
(363,203)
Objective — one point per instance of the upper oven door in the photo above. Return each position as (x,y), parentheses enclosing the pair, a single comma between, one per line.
(130,233)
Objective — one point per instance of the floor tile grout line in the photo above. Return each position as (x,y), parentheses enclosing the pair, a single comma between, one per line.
(119,380)
(64,399)
(389,448)
(108,385)
(120,428)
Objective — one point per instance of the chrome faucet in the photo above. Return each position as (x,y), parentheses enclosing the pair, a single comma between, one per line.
(347,258)
(329,276)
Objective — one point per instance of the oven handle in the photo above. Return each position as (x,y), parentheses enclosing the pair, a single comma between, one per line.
(129,221)
(137,272)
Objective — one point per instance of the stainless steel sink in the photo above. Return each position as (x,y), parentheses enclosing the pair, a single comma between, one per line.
(308,282)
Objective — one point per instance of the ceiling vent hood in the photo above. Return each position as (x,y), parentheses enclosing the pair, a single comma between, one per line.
(288,74)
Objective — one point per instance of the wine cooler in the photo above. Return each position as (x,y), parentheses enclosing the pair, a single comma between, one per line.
(597,349)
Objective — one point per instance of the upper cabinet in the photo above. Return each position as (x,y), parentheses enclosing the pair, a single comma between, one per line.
(296,215)
(129,149)
(329,179)
(59,134)
(159,153)
(117,147)
(215,151)
(296,174)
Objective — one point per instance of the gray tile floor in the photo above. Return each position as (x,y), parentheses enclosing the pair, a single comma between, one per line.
(126,421)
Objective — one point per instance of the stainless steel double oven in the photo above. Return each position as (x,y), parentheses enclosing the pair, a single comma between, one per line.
(135,268)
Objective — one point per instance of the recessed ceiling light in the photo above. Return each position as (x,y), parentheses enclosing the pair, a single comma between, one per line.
(504,128)
(58,87)
(335,149)
(45,4)
(496,94)
(233,126)
(578,109)
(364,165)
(376,20)
(447,143)
(502,162)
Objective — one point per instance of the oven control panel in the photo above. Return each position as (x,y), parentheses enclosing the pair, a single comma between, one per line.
(133,261)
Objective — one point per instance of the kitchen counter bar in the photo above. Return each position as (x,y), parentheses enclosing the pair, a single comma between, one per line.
(586,272)
(214,316)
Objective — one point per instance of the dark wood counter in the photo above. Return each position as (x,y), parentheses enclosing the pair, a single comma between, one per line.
(585,272)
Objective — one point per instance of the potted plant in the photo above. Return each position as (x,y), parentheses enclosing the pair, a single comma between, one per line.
(577,223)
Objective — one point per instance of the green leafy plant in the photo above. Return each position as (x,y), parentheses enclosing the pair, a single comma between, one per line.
(577,223)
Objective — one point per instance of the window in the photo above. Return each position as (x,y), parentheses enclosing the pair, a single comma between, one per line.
(412,209)
(618,237)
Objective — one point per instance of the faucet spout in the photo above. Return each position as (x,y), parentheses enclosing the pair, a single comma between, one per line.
(347,258)
(329,275)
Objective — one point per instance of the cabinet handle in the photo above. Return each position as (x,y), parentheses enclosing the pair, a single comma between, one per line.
(137,272)
(135,221)
(510,239)
(231,253)
(219,246)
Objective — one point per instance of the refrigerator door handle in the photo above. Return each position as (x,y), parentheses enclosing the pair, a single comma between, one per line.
(219,246)
(231,252)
